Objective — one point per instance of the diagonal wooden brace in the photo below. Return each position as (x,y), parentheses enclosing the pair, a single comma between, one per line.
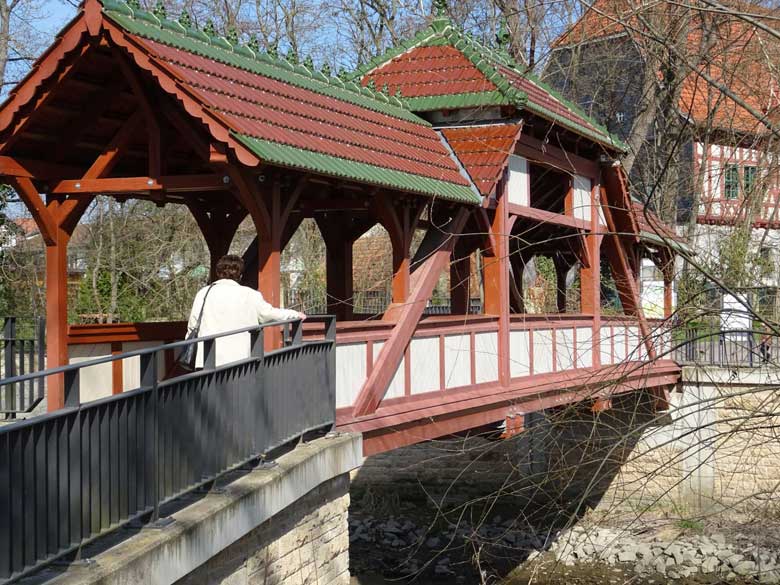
(435,257)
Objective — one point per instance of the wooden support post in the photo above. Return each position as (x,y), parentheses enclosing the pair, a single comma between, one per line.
(590,276)
(56,318)
(400,221)
(496,279)
(460,279)
(339,231)
(435,251)
(562,266)
(624,277)
(668,299)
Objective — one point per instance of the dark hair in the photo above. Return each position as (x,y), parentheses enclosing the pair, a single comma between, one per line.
(230,267)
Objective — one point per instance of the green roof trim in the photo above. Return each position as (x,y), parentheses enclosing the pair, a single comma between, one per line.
(458,100)
(671,243)
(282,154)
(487,60)
(145,24)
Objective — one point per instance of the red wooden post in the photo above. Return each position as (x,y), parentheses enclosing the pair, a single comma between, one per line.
(496,279)
(338,267)
(56,317)
(460,273)
(590,277)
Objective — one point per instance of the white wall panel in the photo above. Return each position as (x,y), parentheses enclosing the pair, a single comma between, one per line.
(620,344)
(543,351)
(581,197)
(564,349)
(457,361)
(94,381)
(424,365)
(519,357)
(131,367)
(606,346)
(396,387)
(519,183)
(350,372)
(584,347)
(486,357)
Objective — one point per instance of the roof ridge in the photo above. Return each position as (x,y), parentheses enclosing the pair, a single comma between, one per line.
(506,60)
(251,58)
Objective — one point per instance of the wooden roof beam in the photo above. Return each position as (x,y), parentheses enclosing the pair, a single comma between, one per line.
(118,185)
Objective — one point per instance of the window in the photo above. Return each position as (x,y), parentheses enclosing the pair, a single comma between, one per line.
(732,182)
(749,178)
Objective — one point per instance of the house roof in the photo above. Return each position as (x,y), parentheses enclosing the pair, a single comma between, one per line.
(739,56)
(443,68)
(288,114)
(483,151)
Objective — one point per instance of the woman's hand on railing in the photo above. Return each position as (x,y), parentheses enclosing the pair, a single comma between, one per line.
(301,316)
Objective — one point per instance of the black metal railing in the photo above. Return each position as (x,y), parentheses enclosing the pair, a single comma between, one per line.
(725,348)
(72,475)
(23,350)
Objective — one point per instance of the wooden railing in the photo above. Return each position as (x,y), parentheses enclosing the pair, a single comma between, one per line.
(447,352)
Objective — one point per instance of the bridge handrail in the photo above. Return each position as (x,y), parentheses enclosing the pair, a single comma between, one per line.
(329,336)
(70,476)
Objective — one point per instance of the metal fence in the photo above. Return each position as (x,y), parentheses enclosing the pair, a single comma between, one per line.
(725,348)
(70,476)
(23,348)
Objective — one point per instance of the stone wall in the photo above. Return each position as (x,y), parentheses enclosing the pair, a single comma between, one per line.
(305,544)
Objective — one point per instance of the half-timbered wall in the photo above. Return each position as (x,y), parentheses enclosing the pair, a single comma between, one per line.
(725,173)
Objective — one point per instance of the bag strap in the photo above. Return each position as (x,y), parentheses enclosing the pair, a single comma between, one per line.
(203,307)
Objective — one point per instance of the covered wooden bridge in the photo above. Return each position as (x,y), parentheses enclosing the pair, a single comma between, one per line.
(441,134)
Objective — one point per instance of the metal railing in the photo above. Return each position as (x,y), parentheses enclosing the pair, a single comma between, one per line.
(725,348)
(73,475)
(23,350)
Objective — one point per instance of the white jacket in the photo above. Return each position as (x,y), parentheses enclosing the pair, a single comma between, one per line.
(230,306)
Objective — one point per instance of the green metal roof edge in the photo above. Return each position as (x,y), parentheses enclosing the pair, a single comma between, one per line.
(327,164)
(457,100)
(671,243)
(475,53)
(613,140)
(218,49)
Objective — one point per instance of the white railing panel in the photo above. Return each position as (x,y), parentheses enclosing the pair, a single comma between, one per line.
(350,372)
(486,357)
(424,365)
(564,349)
(519,354)
(543,358)
(396,387)
(457,361)
(584,347)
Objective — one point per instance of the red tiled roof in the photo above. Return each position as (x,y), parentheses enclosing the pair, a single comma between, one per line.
(649,222)
(739,56)
(272,110)
(448,65)
(429,71)
(483,151)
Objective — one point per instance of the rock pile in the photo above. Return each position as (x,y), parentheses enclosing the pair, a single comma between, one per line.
(404,547)
(685,557)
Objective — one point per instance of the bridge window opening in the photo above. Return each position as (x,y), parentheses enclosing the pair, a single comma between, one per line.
(549,188)
(303,271)
(610,300)
(373,272)
(129,263)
